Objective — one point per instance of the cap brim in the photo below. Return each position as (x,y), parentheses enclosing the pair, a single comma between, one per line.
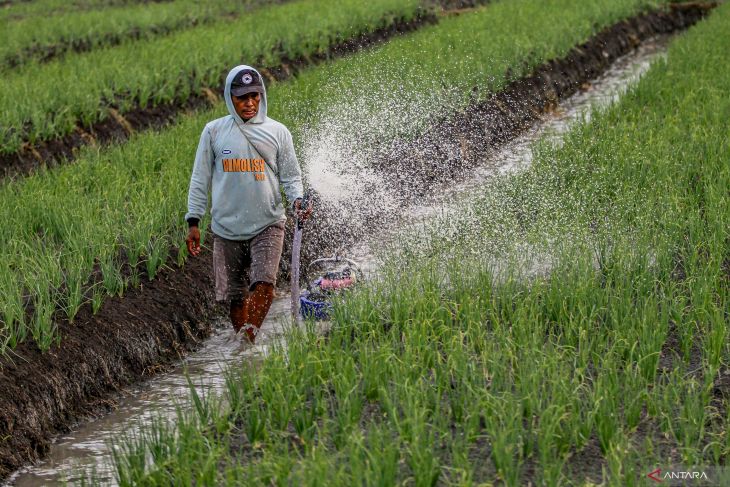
(242,90)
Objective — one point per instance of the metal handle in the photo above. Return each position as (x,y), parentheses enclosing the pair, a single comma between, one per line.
(304,205)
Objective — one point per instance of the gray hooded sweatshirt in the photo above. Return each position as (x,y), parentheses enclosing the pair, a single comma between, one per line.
(244,171)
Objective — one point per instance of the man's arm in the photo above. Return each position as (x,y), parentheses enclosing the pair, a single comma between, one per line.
(290,174)
(198,191)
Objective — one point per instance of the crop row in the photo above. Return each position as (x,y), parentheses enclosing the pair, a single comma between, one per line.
(17,9)
(170,69)
(67,224)
(30,38)
(460,369)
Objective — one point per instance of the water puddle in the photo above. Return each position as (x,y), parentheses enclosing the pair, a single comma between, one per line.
(87,449)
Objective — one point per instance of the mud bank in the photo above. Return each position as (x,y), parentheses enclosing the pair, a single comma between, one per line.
(128,339)
(42,394)
(117,127)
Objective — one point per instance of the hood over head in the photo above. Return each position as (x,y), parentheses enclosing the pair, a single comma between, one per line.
(232,75)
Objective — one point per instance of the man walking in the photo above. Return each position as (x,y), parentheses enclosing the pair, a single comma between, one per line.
(243,158)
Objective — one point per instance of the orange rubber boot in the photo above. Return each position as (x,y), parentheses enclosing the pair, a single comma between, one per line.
(259,302)
(239,314)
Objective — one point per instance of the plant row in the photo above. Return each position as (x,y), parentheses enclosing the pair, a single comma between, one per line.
(171,69)
(27,39)
(18,9)
(567,325)
(123,206)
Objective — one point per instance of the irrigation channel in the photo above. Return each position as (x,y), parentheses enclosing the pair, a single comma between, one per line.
(87,450)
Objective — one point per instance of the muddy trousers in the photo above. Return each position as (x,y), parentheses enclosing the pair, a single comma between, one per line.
(238,263)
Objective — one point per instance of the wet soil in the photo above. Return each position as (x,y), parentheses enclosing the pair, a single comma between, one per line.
(128,339)
(43,394)
(117,127)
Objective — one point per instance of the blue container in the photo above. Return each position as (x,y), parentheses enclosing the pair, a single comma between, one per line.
(319,310)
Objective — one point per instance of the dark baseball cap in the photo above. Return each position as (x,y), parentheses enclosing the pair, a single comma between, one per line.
(246,81)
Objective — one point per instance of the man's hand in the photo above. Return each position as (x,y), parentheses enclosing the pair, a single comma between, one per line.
(302,213)
(193,241)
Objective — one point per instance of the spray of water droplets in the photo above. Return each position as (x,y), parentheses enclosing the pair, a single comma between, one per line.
(359,155)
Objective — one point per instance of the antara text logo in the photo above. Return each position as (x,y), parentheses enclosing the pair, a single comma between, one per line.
(661,476)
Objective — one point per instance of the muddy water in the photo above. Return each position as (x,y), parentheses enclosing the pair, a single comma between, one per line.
(87,449)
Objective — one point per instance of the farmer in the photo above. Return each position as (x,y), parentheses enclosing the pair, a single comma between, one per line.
(244,157)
